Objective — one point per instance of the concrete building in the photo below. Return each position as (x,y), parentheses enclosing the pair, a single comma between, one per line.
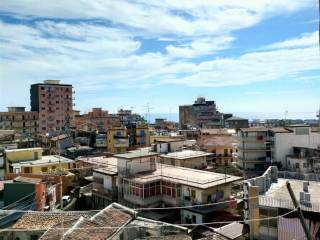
(30,160)
(98,117)
(267,197)
(142,135)
(139,181)
(105,185)
(258,147)
(186,158)
(12,156)
(47,164)
(54,103)
(304,160)
(236,123)
(127,117)
(200,114)
(117,139)
(168,145)
(220,143)
(16,118)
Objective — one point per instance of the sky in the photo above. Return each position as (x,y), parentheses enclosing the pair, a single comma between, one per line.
(255,58)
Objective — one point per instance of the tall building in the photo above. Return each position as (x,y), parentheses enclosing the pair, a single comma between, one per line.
(16,118)
(200,114)
(53,102)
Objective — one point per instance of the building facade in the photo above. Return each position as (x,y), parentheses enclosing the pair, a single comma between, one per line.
(117,140)
(54,103)
(16,118)
(98,117)
(259,147)
(200,114)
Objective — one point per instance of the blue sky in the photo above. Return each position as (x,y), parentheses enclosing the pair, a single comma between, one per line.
(254,58)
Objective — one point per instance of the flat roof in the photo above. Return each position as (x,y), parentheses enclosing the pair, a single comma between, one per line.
(186,176)
(164,140)
(111,170)
(45,160)
(101,161)
(278,193)
(185,154)
(135,154)
(22,150)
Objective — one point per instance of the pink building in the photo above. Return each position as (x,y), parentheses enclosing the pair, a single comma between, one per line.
(53,102)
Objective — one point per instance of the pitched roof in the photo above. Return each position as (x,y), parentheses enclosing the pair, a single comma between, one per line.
(102,225)
(45,220)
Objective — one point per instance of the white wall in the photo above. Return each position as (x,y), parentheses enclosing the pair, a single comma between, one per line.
(284,143)
(135,165)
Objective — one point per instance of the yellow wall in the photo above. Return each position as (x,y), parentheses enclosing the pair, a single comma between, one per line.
(111,140)
(27,154)
(40,168)
(146,135)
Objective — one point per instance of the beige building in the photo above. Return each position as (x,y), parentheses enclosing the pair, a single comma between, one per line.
(117,140)
(16,118)
(220,143)
(186,158)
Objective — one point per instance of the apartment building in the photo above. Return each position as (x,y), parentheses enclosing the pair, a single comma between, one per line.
(236,123)
(258,147)
(117,140)
(186,158)
(304,160)
(142,135)
(54,103)
(200,114)
(97,117)
(30,160)
(140,182)
(267,196)
(23,122)
(220,143)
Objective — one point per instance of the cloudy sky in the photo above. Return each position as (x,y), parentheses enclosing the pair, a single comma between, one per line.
(250,56)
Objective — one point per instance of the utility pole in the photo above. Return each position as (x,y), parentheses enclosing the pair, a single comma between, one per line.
(300,215)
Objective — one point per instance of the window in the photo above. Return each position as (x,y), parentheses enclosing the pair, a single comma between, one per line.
(302,131)
(44,169)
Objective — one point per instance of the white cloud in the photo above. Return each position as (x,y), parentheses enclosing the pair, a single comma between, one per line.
(305,40)
(200,47)
(176,17)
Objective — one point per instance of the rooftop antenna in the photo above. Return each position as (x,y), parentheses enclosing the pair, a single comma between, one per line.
(285,117)
(318,115)
(148,108)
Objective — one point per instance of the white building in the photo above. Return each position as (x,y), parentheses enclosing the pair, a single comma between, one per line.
(261,146)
